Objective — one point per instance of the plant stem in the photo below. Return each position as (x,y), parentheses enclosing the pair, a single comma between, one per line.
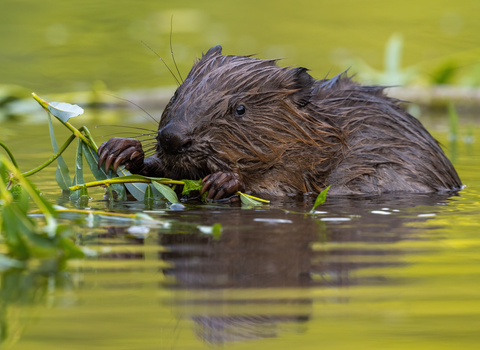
(118,180)
(76,132)
(89,136)
(49,161)
(9,154)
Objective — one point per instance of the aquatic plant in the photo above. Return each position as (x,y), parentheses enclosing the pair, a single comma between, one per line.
(321,198)
(21,234)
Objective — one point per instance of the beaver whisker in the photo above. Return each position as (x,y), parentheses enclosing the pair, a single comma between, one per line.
(145,141)
(153,120)
(125,126)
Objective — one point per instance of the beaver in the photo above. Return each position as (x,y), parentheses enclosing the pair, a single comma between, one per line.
(243,123)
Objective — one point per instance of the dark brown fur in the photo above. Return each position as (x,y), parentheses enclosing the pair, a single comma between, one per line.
(298,134)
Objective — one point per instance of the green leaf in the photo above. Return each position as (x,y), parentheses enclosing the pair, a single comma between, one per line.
(23,200)
(191,185)
(92,161)
(84,198)
(84,191)
(16,191)
(64,111)
(78,178)
(44,205)
(137,189)
(148,196)
(249,200)
(166,191)
(3,172)
(99,174)
(321,198)
(62,175)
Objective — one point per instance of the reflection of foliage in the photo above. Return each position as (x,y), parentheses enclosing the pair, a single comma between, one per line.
(20,291)
(22,236)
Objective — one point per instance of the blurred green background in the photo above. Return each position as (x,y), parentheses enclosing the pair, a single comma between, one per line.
(60,46)
(429,301)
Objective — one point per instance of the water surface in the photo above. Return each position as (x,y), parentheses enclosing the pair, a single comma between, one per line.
(370,272)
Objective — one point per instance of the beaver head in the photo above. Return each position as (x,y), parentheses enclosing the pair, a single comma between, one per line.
(248,116)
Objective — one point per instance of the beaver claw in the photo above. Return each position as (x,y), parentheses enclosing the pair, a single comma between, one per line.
(222,185)
(121,151)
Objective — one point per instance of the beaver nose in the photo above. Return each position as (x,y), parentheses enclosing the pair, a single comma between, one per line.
(173,142)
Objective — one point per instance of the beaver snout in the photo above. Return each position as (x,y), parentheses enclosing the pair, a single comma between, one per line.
(173,141)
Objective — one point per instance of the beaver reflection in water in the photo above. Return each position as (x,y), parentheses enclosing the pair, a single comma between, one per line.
(242,123)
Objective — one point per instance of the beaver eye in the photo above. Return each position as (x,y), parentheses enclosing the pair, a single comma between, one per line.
(240,111)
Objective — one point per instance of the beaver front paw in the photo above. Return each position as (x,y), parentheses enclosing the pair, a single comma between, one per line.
(121,151)
(222,185)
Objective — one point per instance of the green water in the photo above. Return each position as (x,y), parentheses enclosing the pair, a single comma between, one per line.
(373,272)
(60,46)
(365,273)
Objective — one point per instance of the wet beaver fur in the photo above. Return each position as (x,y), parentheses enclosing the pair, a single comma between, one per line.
(242,123)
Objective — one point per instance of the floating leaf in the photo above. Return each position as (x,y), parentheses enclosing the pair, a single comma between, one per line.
(64,111)
(321,198)
(166,191)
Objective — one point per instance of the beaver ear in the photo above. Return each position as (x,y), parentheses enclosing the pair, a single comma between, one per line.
(302,83)
(216,50)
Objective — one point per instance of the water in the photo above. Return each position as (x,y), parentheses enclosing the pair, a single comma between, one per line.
(59,46)
(365,272)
